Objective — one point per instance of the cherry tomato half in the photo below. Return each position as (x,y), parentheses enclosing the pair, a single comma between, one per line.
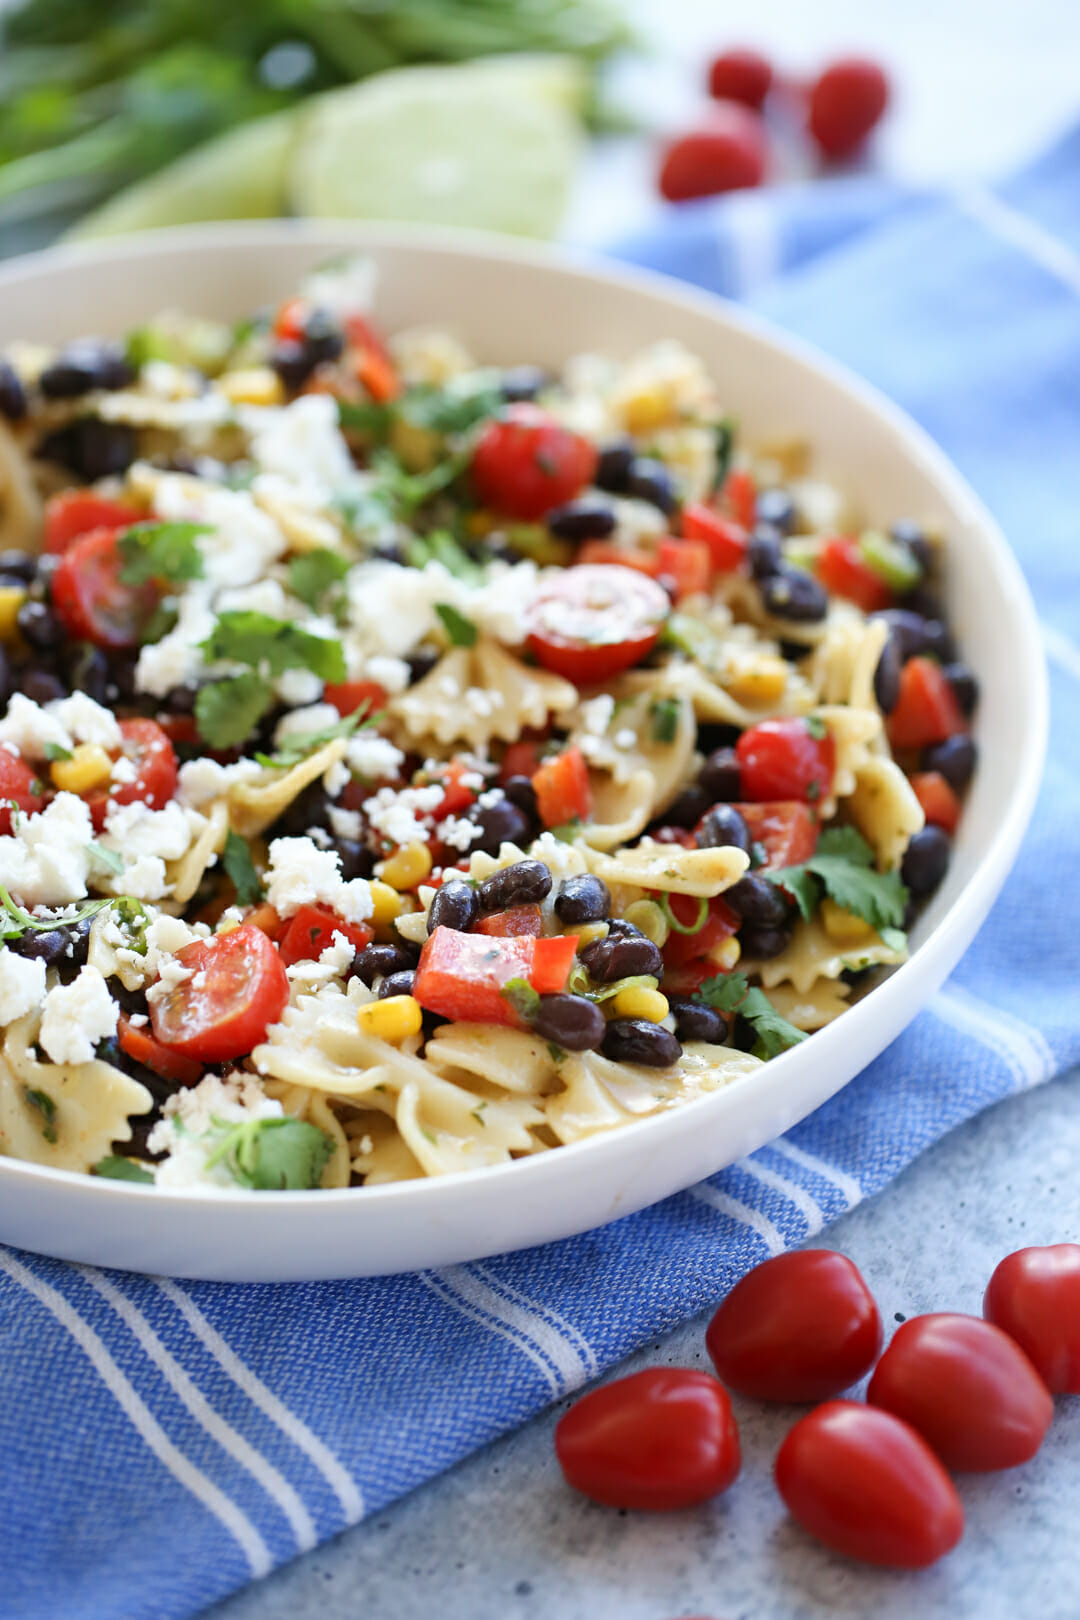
(311,930)
(164,1061)
(1034,1297)
(526,462)
(76,511)
(658,1440)
(726,152)
(726,539)
(238,988)
(92,600)
(868,1486)
(149,748)
(786,831)
(799,1327)
(18,785)
(940,805)
(783,759)
(843,572)
(967,1387)
(740,75)
(595,621)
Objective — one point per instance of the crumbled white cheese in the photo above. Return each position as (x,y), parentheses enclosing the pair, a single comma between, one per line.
(299,722)
(264,596)
(373,757)
(346,823)
(336,778)
(86,721)
(595,715)
(302,444)
(244,542)
(302,875)
(134,829)
(176,660)
(344,288)
(124,771)
(394,814)
(77,1016)
(298,686)
(188,1130)
(30,729)
(46,859)
(165,936)
(22,985)
(392,674)
(202,780)
(625,737)
(459,833)
(171,974)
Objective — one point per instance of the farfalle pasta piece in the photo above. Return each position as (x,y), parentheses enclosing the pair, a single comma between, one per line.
(883,806)
(814,1008)
(842,665)
(255,805)
(856,735)
(812,955)
(671,869)
(599,1095)
(475,695)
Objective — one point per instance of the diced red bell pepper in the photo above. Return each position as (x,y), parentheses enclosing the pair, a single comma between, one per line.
(688,563)
(461,976)
(347,696)
(521,758)
(608,555)
(843,571)
(785,829)
(291,319)
(307,934)
(562,789)
(720,923)
(940,805)
(371,361)
(686,979)
(142,1045)
(725,539)
(926,711)
(740,496)
(456,795)
(517,921)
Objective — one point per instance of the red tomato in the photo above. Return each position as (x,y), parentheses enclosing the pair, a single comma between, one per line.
(841,569)
(687,563)
(521,758)
(940,805)
(562,789)
(592,622)
(348,696)
(720,923)
(76,511)
(846,101)
(740,496)
(967,1388)
(311,929)
(927,710)
(371,360)
(265,918)
(782,759)
(786,831)
(456,795)
(800,1327)
(526,462)
(515,922)
(141,1045)
(659,1440)
(725,153)
(91,599)
(1034,1297)
(868,1486)
(148,747)
(740,75)
(725,539)
(461,975)
(237,990)
(18,785)
(291,320)
(606,554)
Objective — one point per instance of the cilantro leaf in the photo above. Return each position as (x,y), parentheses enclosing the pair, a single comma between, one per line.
(161,551)
(404,491)
(16,921)
(57,751)
(730,993)
(227,712)
(313,573)
(664,714)
(462,631)
(522,997)
(366,417)
(299,744)
(440,546)
(724,991)
(46,1107)
(244,636)
(240,867)
(453,409)
(109,858)
(273,1155)
(117,1168)
(725,431)
(843,865)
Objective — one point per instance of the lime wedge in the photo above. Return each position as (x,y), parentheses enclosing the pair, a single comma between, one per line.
(239,175)
(492,145)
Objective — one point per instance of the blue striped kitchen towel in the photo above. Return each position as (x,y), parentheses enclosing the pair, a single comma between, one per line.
(163,1443)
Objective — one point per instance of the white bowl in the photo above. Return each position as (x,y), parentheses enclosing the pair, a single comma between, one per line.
(513,304)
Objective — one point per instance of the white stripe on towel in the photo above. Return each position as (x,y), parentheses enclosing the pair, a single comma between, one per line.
(562,1367)
(547,1313)
(1022,1047)
(1026,235)
(808,1206)
(751,230)
(773,1238)
(849,1189)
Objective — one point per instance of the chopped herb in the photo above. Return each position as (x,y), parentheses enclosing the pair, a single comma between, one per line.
(299,744)
(440,546)
(894,938)
(730,992)
(478,1113)
(429,1135)
(673,922)
(135,918)
(15,921)
(665,719)
(683,634)
(454,409)
(556,1053)
(725,431)
(273,1155)
(160,622)
(227,712)
(403,492)
(462,631)
(117,1168)
(241,869)
(843,864)
(313,575)
(580,984)
(110,858)
(55,751)
(272,646)
(567,831)
(817,728)
(165,551)
(47,1109)
(522,997)
(363,418)
(759,855)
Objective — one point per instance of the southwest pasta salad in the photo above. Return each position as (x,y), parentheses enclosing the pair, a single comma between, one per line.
(410,764)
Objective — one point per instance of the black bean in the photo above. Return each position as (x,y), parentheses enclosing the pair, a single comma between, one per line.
(764,552)
(793,651)
(525,883)
(954,758)
(649,480)
(720,776)
(743,1034)
(777,507)
(723,826)
(520,791)
(965,686)
(311,808)
(499,823)
(122,675)
(622,956)
(761,941)
(40,626)
(571,1022)
(917,635)
(635,1040)
(712,735)
(5,677)
(757,901)
(911,536)
(293,362)
(131,1001)
(91,449)
(887,673)
(46,946)
(357,861)
(390,551)
(323,337)
(87,670)
(583,519)
(397,984)
(180,699)
(694,1021)
(19,564)
(926,860)
(619,928)
(380,961)
(583,899)
(42,686)
(613,467)
(422,663)
(12,392)
(455,906)
(927,603)
(688,807)
(85,364)
(794,594)
(522,383)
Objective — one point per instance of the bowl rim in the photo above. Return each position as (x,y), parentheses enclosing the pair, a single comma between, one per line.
(964,916)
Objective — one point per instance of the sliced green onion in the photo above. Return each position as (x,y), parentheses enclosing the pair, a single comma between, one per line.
(604,992)
(673,921)
(802,552)
(647,916)
(890,560)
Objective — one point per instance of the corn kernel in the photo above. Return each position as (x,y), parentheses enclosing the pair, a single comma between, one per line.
(12,598)
(394,1019)
(649,409)
(386,905)
(480,522)
(843,926)
(255,385)
(417,448)
(764,681)
(648,917)
(725,955)
(89,767)
(227,925)
(407,866)
(640,1002)
(587,933)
